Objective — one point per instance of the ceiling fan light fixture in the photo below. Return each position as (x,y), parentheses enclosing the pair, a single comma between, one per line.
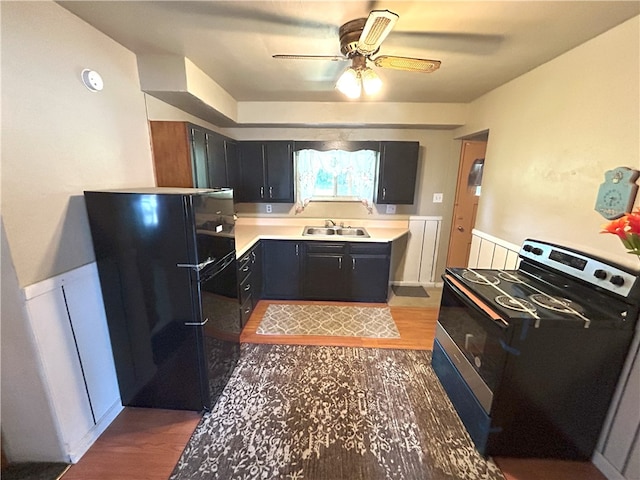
(376,29)
(370,81)
(349,83)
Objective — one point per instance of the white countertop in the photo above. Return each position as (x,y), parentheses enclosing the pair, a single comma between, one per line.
(249,230)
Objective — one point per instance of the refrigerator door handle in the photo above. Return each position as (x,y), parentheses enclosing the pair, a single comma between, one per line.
(196,324)
(198,266)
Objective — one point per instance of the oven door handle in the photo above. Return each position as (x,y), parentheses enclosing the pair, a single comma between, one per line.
(218,268)
(473,301)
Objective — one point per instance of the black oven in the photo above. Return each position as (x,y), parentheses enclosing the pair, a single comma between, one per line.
(530,358)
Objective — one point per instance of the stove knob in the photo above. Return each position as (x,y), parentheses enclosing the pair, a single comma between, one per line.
(527,248)
(536,251)
(617,280)
(600,274)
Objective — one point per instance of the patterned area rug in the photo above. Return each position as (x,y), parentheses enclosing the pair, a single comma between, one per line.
(331,320)
(332,413)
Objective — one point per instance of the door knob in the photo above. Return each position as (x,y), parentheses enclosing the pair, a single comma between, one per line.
(460,229)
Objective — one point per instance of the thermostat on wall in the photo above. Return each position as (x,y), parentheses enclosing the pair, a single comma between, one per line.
(92,80)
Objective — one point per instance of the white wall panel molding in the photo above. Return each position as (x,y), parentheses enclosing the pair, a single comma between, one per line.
(421,252)
(488,251)
(67,318)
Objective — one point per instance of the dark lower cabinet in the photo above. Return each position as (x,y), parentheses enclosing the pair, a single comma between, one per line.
(249,281)
(325,271)
(369,271)
(316,270)
(282,274)
(349,271)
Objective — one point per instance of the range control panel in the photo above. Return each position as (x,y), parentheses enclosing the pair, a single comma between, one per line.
(595,271)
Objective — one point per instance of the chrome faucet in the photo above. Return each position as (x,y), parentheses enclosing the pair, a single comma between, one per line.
(329,223)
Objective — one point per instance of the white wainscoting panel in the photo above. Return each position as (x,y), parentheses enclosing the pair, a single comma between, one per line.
(488,251)
(66,315)
(421,252)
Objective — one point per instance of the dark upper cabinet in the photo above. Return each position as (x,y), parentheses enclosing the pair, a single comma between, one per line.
(199,159)
(231,156)
(266,172)
(216,160)
(187,155)
(281,264)
(397,172)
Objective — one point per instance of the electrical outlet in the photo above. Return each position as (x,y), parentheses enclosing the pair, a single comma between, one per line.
(437,198)
(269,209)
(391,209)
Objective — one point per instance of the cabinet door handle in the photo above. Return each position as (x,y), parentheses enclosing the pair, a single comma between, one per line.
(262,192)
(253,257)
(353,264)
(340,263)
(245,268)
(247,287)
(196,324)
(384,193)
(296,249)
(270,192)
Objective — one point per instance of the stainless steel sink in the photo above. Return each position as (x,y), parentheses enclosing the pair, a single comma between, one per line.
(319,231)
(352,232)
(342,231)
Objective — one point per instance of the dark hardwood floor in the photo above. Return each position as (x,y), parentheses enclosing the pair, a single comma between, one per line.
(145,444)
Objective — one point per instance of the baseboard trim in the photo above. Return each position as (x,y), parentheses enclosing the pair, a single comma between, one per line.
(606,468)
(77,452)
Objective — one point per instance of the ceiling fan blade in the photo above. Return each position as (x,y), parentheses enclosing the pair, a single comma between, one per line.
(333,58)
(407,63)
(378,25)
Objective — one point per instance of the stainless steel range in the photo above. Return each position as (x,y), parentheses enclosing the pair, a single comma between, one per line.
(530,358)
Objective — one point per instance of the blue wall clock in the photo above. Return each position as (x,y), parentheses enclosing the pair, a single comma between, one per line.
(618,192)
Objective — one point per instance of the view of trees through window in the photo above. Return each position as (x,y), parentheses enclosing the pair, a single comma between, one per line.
(335,175)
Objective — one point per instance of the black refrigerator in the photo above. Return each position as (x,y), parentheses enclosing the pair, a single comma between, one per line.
(167,268)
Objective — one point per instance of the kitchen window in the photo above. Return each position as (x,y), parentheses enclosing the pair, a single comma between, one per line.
(335,175)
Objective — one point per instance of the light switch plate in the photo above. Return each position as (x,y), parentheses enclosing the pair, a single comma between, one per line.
(391,209)
(269,209)
(437,198)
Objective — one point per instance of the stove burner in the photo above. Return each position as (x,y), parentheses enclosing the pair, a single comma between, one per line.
(557,304)
(515,303)
(509,277)
(481,279)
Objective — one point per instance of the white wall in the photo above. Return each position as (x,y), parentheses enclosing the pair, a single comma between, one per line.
(58,138)
(553,132)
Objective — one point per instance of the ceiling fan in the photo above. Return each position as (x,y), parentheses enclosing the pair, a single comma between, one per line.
(360,39)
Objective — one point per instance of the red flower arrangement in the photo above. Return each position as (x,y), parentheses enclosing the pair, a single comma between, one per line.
(627,228)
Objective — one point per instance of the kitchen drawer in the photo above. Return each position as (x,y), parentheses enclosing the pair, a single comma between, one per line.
(245,289)
(245,311)
(371,248)
(244,268)
(325,247)
(464,401)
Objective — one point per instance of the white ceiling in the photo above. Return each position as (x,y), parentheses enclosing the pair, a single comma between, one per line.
(481,44)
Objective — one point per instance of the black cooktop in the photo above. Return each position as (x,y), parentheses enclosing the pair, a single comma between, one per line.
(548,297)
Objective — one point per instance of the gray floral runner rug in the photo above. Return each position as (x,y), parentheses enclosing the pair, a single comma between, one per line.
(332,413)
(331,320)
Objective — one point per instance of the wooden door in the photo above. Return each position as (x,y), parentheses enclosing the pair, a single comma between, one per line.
(466,203)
